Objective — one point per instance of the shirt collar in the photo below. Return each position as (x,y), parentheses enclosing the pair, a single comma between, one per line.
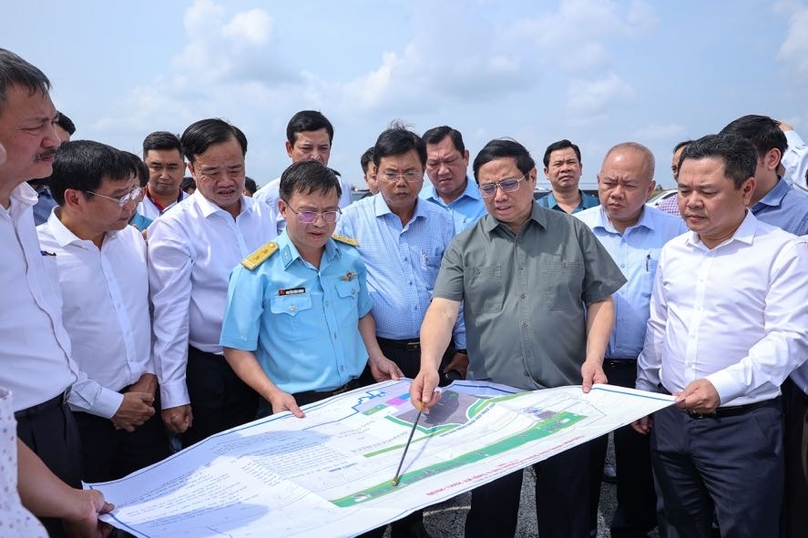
(471,191)
(381,208)
(208,208)
(646,220)
(25,194)
(537,214)
(745,233)
(552,203)
(289,253)
(775,196)
(63,236)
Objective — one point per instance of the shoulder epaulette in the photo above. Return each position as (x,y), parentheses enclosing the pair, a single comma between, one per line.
(259,256)
(346,240)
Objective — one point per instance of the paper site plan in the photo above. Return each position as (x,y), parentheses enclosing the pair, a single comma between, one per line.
(330,473)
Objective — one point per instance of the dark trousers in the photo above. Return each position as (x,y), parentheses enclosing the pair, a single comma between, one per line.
(795,449)
(730,466)
(409,360)
(636,509)
(109,454)
(562,498)
(52,434)
(219,399)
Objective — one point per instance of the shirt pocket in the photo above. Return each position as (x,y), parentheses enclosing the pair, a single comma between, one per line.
(431,263)
(561,283)
(291,313)
(486,289)
(346,305)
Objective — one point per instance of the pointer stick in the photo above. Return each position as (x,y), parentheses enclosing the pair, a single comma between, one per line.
(407,446)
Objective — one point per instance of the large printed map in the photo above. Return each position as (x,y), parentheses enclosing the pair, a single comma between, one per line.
(330,473)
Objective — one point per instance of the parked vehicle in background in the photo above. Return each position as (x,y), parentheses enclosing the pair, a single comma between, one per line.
(655,200)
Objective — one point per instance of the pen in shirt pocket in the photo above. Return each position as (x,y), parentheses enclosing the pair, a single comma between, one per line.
(647,263)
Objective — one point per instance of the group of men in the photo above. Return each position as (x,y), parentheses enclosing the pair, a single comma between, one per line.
(240,307)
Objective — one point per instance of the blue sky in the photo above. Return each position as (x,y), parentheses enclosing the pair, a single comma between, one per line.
(594,71)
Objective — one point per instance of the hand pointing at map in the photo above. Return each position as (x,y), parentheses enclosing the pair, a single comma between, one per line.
(423,389)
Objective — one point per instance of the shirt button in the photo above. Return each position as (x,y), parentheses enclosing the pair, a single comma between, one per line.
(341,368)
(522,295)
(292,308)
(526,324)
(325,303)
(335,336)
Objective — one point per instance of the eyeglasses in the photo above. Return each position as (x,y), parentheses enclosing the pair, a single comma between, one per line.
(307,217)
(131,196)
(408,176)
(506,185)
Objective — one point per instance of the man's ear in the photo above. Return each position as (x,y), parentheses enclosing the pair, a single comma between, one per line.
(73,198)
(772,159)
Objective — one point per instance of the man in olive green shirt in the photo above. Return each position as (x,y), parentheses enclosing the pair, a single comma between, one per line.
(536,286)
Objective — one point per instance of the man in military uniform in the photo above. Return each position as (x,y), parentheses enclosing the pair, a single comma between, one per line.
(317,334)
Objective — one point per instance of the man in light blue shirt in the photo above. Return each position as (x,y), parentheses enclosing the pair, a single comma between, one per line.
(563,168)
(297,327)
(450,188)
(634,234)
(402,243)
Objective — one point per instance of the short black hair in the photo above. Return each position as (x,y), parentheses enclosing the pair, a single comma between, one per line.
(561,144)
(200,135)
(366,159)
(140,167)
(14,71)
(738,153)
(397,140)
(763,131)
(250,185)
(161,140)
(307,177)
(680,145)
(187,182)
(82,165)
(503,148)
(66,123)
(308,120)
(437,134)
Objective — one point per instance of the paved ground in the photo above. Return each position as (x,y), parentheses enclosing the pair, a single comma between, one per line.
(447,520)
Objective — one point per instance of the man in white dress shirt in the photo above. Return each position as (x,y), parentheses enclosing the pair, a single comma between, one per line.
(34,346)
(309,135)
(162,153)
(192,250)
(729,322)
(101,263)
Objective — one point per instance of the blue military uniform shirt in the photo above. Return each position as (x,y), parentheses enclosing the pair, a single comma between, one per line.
(301,322)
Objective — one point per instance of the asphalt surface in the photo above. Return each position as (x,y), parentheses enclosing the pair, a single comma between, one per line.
(447,520)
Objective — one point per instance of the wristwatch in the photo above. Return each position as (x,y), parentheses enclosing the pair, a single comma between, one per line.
(462,351)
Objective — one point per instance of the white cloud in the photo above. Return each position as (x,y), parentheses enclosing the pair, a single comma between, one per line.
(230,51)
(589,99)
(253,26)
(573,38)
(659,133)
(794,50)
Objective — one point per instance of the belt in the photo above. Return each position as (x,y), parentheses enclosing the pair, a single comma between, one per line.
(56,401)
(620,362)
(732,410)
(409,345)
(311,396)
